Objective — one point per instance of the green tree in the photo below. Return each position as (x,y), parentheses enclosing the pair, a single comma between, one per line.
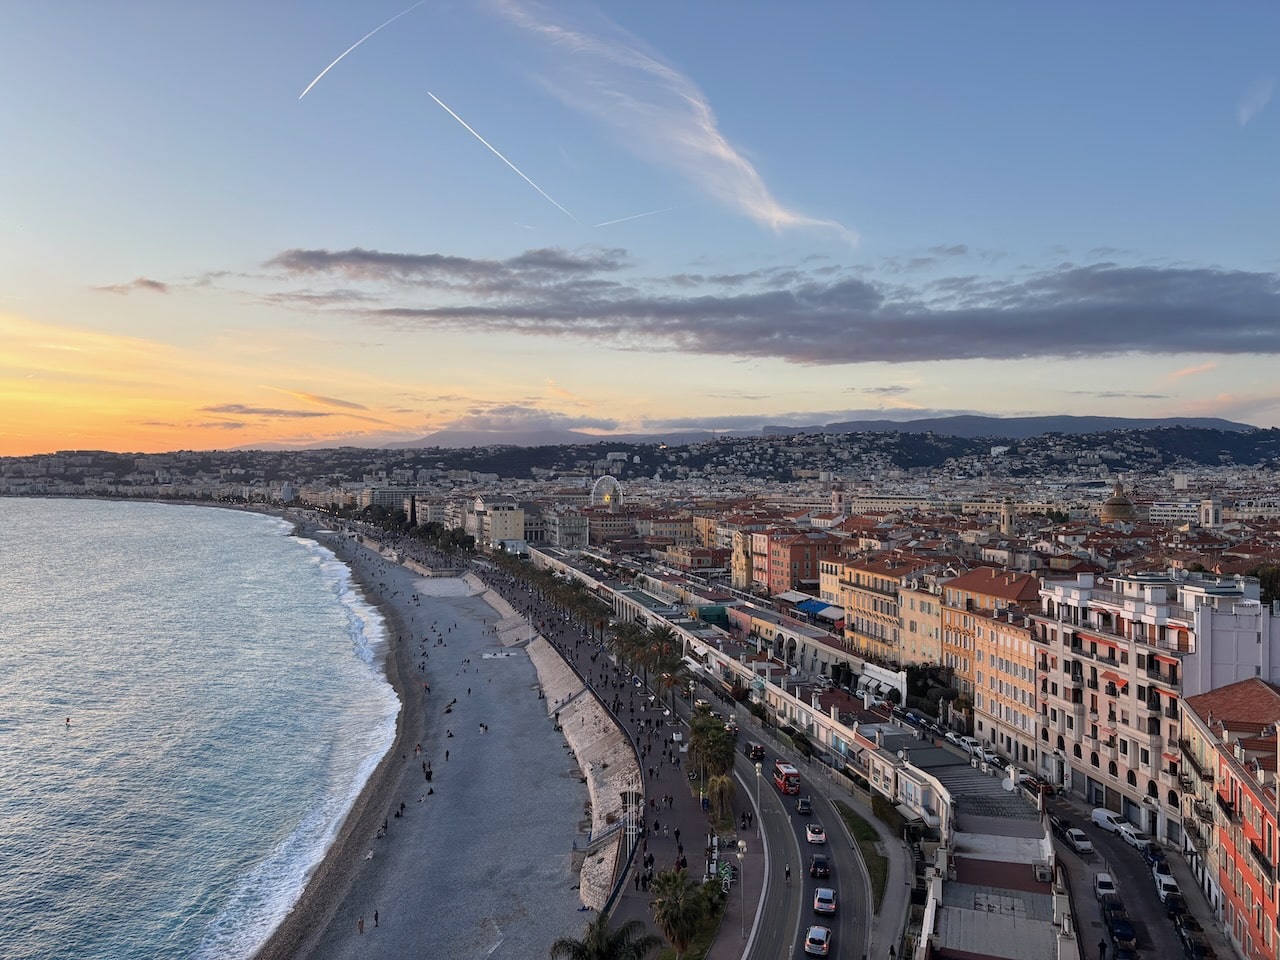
(628,942)
(678,908)
(720,791)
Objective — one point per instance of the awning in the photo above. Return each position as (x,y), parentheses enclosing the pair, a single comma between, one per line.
(792,596)
(1112,677)
(908,814)
(1171,757)
(813,605)
(864,681)
(831,613)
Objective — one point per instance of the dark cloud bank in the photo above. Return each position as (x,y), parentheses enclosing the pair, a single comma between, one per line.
(809,316)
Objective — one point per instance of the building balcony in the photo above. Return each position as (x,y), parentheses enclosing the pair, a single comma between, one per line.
(1189,755)
(1198,833)
(1227,807)
(1153,705)
(1171,711)
(1261,860)
(1203,811)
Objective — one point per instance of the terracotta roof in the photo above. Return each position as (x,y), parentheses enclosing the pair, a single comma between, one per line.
(1251,703)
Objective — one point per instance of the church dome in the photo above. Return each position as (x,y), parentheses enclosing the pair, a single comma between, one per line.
(1117,506)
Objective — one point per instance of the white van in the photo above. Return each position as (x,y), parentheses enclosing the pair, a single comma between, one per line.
(1108,821)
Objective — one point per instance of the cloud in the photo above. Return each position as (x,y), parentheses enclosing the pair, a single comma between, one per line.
(1118,395)
(323,401)
(141,283)
(240,409)
(1255,99)
(1191,371)
(755,421)
(658,113)
(955,250)
(506,417)
(788,314)
(893,390)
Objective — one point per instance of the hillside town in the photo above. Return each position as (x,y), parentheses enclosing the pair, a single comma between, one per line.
(1085,626)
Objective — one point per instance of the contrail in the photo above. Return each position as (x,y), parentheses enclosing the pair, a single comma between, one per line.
(502,158)
(636,216)
(356,44)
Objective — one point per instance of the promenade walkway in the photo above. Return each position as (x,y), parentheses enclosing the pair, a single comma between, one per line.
(676,824)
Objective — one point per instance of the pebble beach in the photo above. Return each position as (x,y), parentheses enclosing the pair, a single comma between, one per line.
(482,858)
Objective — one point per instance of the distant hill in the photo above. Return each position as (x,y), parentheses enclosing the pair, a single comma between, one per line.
(459,439)
(1012,428)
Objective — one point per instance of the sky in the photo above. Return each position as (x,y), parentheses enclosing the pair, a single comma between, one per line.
(241,224)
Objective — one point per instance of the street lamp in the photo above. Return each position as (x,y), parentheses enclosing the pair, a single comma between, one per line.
(759,777)
(742,855)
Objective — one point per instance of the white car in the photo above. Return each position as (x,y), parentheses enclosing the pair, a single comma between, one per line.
(1134,837)
(971,745)
(1079,842)
(824,900)
(1111,822)
(814,833)
(1103,884)
(1165,886)
(817,941)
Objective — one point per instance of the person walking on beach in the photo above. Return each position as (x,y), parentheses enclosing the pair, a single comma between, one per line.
(360,925)
(375,918)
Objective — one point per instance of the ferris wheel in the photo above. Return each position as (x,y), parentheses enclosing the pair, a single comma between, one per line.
(606,493)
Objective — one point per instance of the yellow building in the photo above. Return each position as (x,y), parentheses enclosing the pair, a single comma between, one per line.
(1004,697)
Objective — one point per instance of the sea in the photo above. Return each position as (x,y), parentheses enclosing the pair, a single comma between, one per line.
(191,698)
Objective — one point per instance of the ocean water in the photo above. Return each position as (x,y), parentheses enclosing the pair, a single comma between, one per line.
(223,686)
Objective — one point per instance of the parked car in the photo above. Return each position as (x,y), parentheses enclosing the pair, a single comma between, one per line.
(1166,887)
(817,941)
(814,833)
(1152,853)
(1197,948)
(1186,926)
(819,865)
(991,757)
(1078,841)
(1125,953)
(1112,907)
(1103,885)
(1060,825)
(1174,905)
(1123,934)
(970,744)
(1161,869)
(1133,837)
(952,737)
(804,805)
(824,900)
(1111,822)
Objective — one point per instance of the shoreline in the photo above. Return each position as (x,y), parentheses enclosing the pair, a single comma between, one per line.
(412,869)
(329,883)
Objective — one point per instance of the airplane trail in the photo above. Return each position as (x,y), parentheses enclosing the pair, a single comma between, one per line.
(357,43)
(502,158)
(636,216)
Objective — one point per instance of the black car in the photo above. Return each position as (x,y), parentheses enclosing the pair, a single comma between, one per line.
(1186,926)
(1060,825)
(819,866)
(754,752)
(1112,908)
(1174,905)
(1123,934)
(1196,948)
(804,805)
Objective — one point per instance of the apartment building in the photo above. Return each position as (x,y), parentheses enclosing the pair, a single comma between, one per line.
(868,591)
(920,607)
(964,599)
(1005,698)
(793,558)
(1115,660)
(1230,746)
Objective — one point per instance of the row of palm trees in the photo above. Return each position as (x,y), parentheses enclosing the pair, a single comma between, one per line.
(679,907)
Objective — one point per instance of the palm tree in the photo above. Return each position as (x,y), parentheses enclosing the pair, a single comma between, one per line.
(678,908)
(720,792)
(599,942)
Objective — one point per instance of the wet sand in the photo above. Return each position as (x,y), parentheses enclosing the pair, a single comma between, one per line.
(484,863)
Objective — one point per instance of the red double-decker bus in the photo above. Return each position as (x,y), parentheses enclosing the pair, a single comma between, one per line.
(786,777)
